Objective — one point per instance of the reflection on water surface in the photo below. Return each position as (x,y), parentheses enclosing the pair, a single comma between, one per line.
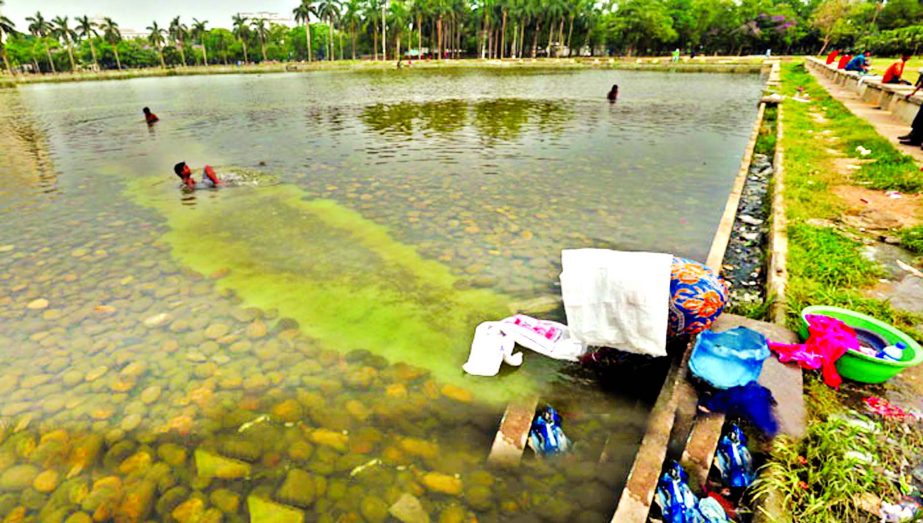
(298,344)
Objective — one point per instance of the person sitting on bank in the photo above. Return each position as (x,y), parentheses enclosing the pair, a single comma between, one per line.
(844,59)
(894,72)
(149,117)
(859,63)
(915,136)
(613,93)
(209,177)
(832,56)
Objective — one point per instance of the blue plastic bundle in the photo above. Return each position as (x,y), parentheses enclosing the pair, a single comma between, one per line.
(734,460)
(546,435)
(677,502)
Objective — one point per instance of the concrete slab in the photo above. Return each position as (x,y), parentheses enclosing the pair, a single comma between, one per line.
(885,122)
(785,383)
(510,440)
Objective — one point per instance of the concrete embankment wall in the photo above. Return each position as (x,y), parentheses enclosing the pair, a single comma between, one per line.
(887,97)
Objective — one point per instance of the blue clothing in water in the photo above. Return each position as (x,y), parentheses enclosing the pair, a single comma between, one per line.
(858,63)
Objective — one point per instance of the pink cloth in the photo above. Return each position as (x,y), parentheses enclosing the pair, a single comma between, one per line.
(828,339)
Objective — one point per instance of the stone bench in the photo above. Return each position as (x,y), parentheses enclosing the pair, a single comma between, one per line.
(887,97)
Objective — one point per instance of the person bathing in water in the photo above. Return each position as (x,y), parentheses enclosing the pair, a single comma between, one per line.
(613,93)
(209,177)
(149,117)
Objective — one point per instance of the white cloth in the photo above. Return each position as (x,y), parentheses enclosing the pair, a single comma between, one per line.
(494,342)
(617,299)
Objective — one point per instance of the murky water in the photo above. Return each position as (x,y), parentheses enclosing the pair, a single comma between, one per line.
(299,342)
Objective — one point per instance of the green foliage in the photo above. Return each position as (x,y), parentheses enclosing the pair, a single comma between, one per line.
(895,42)
(912,239)
(820,479)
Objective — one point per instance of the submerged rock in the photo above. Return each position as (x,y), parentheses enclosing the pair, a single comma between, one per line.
(211,465)
(408,509)
(18,477)
(265,511)
(226,500)
(443,483)
(298,489)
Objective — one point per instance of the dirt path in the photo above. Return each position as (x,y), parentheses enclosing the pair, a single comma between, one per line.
(887,124)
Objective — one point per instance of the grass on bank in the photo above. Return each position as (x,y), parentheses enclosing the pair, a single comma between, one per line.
(821,478)
(826,265)
(845,455)
(912,239)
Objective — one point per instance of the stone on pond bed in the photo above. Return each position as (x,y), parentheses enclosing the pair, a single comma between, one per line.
(211,465)
(265,511)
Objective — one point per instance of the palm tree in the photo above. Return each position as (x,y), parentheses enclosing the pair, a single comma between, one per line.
(7,28)
(113,36)
(68,35)
(87,30)
(329,10)
(242,32)
(303,16)
(199,32)
(353,18)
(40,28)
(418,10)
(399,14)
(178,33)
(259,27)
(157,40)
(372,17)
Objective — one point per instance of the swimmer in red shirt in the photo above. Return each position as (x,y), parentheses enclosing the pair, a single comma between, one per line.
(832,56)
(209,177)
(149,117)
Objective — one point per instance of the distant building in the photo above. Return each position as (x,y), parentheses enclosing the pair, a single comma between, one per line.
(127,32)
(273,18)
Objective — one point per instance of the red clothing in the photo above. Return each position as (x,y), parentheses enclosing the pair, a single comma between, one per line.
(844,59)
(832,56)
(893,74)
(210,174)
(151,118)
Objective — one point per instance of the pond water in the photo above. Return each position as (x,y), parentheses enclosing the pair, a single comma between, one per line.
(293,348)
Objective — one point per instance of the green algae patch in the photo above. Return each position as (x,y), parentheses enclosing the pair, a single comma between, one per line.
(347,282)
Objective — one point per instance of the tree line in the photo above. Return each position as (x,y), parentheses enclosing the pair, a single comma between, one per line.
(449,29)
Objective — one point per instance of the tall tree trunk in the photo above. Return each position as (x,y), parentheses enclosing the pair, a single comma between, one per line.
(513,43)
(503,37)
(243,44)
(93,52)
(205,52)
(538,29)
(35,63)
(522,39)
(118,61)
(353,38)
(570,33)
(341,45)
(70,54)
(163,65)
(398,46)
(50,60)
(560,38)
(824,48)
(6,61)
(329,40)
(375,41)
(182,51)
(307,37)
(439,33)
(420,36)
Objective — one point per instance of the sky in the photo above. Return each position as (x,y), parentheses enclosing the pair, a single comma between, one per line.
(134,14)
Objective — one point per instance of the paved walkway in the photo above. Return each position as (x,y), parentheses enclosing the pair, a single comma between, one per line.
(885,123)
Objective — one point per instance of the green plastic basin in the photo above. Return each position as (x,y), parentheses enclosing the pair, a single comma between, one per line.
(857,366)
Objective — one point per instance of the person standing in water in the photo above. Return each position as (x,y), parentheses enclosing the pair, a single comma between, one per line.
(209,177)
(613,93)
(149,117)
